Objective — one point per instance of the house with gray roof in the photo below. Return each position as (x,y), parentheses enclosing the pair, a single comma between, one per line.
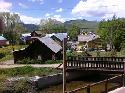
(3,41)
(25,38)
(44,49)
(89,40)
(37,33)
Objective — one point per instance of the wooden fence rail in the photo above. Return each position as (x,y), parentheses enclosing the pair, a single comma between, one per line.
(99,64)
(88,87)
(96,63)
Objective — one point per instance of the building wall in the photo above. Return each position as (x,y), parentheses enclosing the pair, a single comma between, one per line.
(4,42)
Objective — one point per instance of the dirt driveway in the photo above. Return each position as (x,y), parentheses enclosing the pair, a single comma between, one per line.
(10,64)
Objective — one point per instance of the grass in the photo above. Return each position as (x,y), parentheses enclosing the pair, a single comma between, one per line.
(27,71)
(101,54)
(7,51)
(34,61)
(107,54)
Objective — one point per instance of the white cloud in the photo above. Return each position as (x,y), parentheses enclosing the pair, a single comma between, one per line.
(40,1)
(29,19)
(5,6)
(22,5)
(58,18)
(60,1)
(47,15)
(59,10)
(99,8)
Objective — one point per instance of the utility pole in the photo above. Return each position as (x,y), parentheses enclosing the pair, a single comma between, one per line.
(12,27)
(111,42)
(64,64)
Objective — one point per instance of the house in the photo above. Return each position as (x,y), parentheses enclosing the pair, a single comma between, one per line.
(43,49)
(89,40)
(26,38)
(3,41)
(37,34)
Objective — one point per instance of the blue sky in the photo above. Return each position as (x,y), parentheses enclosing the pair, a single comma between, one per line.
(32,11)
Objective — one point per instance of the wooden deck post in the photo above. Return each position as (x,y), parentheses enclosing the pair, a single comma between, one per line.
(124,73)
(64,65)
(106,86)
(88,89)
(123,80)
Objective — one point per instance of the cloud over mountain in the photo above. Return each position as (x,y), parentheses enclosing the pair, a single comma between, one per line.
(99,8)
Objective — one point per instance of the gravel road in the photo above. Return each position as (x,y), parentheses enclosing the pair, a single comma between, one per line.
(10,64)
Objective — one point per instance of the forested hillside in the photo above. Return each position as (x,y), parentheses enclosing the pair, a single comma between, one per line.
(82,23)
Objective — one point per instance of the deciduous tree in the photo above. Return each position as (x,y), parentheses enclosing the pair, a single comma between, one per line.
(112,32)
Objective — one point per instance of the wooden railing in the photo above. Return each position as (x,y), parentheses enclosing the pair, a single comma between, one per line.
(96,63)
(87,89)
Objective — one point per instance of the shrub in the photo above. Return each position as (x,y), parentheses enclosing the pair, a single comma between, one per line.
(20,86)
(7,52)
(33,61)
(98,53)
(53,61)
(113,53)
(2,55)
(30,61)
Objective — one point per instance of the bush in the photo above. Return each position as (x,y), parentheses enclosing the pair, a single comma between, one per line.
(98,53)
(53,61)
(20,86)
(33,61)
(7,52)
(30,61)
(2,55)
(113,53)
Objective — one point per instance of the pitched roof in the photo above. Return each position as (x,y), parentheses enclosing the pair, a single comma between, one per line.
(87,38)
(26,34)
(39,32)
(2,38)
(61,36)
(50,43)
(49,35)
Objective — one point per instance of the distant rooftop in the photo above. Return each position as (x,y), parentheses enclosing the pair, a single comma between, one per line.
(26,34)
(60,36)
(88,37)
(2,38)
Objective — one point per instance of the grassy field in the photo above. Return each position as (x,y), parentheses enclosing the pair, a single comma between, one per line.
(27,71)
(7,51)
